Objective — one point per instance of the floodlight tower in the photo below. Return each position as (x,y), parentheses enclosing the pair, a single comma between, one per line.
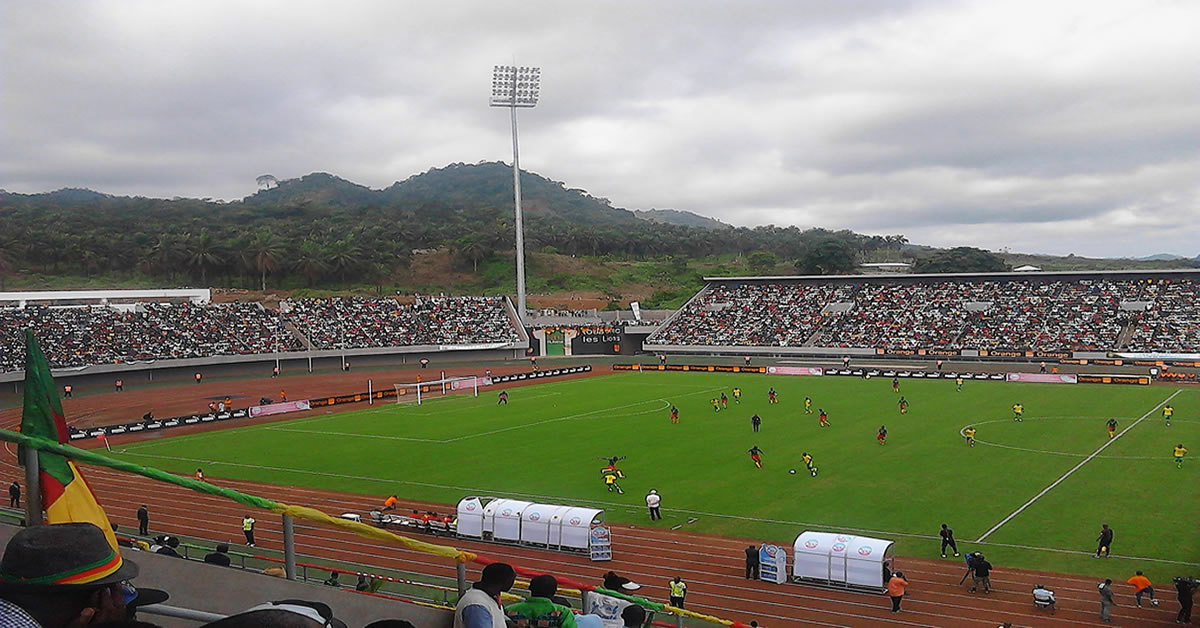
(513,87)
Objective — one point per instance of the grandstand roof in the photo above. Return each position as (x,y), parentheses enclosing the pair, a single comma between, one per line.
(103,296)
(1193,272)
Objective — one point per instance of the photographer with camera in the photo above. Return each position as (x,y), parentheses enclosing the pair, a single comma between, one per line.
(1186,588)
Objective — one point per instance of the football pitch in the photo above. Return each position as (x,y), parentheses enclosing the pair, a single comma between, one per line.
(1033,494)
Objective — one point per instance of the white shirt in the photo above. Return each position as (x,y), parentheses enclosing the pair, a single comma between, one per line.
(475,597)
(653,499)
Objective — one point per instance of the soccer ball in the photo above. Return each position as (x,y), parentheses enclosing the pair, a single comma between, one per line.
(814,472)
(792,471)
(868,376)
(1154,602)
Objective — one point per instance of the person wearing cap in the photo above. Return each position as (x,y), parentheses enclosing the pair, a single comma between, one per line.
(169,547)
(64,575)
(652,502)
(540,609)
(479,607)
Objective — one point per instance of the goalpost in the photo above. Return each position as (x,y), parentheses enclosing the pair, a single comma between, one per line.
(440,387)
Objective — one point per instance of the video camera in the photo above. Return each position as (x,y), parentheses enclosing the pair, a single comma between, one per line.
(1184,580)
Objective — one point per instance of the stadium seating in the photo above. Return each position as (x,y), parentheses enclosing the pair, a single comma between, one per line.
(1042,314)
(97,335)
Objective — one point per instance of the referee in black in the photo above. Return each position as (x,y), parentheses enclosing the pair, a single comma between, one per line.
(948,540)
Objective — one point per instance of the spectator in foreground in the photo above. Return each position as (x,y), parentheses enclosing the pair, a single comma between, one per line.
(479,607)
(282,614)
(633,615)
(333,580)
(48,578)
(169,547)
(539,609)
(220,556)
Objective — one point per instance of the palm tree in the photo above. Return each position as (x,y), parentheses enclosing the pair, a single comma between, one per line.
(164,254)
(310,261)
(6,264)
(265,254)
(203,252)
(344,256)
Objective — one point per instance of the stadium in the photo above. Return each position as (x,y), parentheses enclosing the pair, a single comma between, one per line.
(320,409)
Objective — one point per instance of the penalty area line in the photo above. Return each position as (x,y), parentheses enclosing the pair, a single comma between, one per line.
(1076,467)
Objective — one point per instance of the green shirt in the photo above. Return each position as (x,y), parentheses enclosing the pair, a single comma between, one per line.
(540,612)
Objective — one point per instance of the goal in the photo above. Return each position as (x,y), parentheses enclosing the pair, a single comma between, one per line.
(419,391)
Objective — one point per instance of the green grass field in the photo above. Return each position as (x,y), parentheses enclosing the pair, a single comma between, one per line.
(547,442)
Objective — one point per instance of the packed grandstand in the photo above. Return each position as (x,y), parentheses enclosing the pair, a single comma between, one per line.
(102,334)
(1045,312)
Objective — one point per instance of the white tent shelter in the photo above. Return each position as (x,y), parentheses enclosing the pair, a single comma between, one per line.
(554,526)
(840,560)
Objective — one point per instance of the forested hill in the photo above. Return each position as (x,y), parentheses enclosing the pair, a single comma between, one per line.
(323,231)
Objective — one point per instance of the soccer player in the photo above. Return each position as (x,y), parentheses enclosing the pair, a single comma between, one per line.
(772,396)
(612,460)
(823,419)
(674,414)
(1168,412)
(958,384)
(755,421)
(1180,452)
(1112,428)
(808,463)
(502,399)
(1018,412)
(1104,541)
(903,403)
(737,394)
(611,474)
(882,435)
(808,405)
(716,404)
(756,455)
(969,434)
(895,384)
(724,401)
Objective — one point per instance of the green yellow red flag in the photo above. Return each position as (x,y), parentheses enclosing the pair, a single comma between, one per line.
(66,496)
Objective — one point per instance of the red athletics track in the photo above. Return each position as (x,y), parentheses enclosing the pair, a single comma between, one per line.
(711,565)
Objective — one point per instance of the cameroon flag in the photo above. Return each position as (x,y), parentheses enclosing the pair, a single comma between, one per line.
(65,495)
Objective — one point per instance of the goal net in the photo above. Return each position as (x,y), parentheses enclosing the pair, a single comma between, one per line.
(419,391)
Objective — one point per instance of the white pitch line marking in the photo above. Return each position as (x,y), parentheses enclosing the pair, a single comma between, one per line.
(1076,467)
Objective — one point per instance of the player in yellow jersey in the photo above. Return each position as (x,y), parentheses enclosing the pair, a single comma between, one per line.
(737,395)
(808,405)
(1180,452)
(958,384)
(1018,412)
(1168,412)
(969,434)
(716,404)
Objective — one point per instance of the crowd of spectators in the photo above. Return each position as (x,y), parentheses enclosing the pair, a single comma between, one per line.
(1020,314)
(97,335)
(351,323)
(752,315)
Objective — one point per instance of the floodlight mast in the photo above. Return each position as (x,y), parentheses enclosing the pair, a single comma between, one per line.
(514,87)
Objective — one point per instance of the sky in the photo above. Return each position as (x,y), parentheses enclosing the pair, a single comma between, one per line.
(1050,127)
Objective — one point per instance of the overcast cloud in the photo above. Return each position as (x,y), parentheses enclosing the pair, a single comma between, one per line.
(1059,127)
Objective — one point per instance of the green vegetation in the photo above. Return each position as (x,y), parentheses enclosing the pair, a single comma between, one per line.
(547,443)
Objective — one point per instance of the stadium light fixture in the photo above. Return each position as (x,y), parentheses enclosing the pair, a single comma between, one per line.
(516,87)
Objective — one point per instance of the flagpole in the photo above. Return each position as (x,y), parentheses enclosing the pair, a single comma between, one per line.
(33,493)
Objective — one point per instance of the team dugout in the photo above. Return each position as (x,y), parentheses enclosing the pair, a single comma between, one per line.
(1043,312)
